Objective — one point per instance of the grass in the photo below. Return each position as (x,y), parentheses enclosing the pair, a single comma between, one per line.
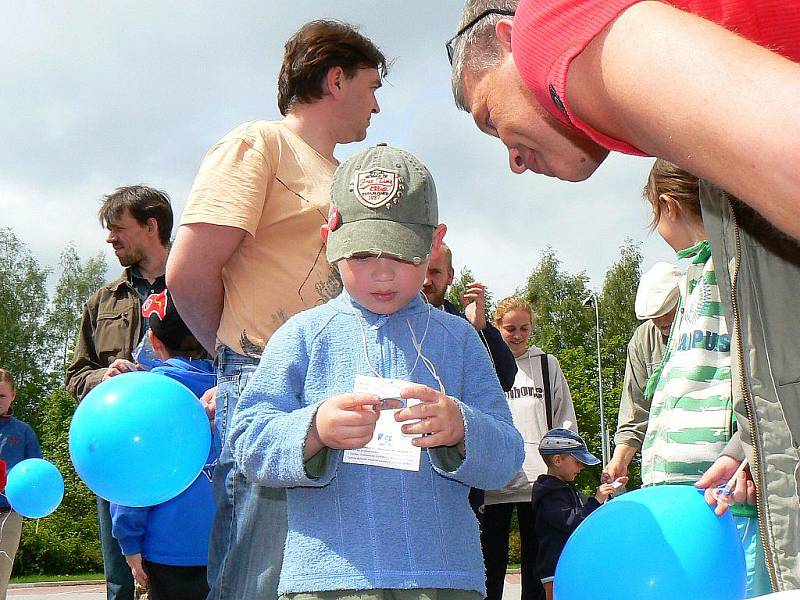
(38,578)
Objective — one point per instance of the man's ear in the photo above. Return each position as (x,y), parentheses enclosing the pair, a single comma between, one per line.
(152,225)
(502,32)
(333,81)
(438,237)
(324,230)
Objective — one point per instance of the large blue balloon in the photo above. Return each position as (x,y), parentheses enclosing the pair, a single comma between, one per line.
(139,439)
(35,488)
(661,542)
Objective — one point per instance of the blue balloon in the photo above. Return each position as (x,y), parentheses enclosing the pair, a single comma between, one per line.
(139,439)
(661,542)
(35,488)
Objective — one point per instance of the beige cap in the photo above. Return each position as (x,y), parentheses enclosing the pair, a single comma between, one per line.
(658,291)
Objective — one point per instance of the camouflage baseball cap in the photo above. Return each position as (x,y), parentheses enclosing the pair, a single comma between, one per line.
(383,202)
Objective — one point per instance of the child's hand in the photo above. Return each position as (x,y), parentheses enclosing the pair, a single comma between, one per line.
(607,490)
(439,417)
(342,422)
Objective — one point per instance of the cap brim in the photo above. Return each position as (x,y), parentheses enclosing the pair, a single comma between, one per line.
(406,242)
(586,458)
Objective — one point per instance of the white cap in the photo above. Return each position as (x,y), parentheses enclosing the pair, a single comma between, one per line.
(658,291)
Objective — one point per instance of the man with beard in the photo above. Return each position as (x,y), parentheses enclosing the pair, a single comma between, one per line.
(437,281)
(139,223)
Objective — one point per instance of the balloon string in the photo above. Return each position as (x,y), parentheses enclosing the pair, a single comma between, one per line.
(727,489)
(2,527)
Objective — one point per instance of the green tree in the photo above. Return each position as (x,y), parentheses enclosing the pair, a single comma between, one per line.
(24,338)
(561,321)
(67,541)
(460,284)
(76,283)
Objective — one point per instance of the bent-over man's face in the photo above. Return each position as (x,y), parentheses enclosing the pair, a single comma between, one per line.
(503,107)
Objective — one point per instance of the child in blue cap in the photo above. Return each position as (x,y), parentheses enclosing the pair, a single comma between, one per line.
(558,507)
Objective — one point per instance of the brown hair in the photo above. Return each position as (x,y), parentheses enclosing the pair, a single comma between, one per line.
(6,377)
(143,203)
(316,48)
(506,305)
(669,179)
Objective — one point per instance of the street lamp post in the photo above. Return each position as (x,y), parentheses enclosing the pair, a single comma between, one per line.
(591,300)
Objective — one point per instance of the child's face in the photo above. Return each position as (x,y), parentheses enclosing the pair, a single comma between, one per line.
(382,285)
(566,467)
(516,329)
(7,395)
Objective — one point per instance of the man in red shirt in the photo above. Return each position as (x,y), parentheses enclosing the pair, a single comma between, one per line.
(564,81)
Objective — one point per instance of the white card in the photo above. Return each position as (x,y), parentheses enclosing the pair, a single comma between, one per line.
(389,446)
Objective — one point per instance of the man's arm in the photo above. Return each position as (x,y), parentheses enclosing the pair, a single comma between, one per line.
(505,365)
(684,89)
(85,370)
(194,276)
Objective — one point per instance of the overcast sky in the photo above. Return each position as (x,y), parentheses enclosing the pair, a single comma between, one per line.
(97,95)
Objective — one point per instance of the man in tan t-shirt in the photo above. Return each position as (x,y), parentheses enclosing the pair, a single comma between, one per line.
(248,255)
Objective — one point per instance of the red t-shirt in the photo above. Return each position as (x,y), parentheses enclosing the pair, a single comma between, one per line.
(548,34)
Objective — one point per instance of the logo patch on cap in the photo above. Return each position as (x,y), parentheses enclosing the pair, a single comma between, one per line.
(155,304)
(377,187)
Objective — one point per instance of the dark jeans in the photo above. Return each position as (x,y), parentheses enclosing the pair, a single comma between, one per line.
(170,582)
(494,541)
(119,580)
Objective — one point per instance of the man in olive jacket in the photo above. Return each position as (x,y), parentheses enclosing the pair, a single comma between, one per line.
(139,222)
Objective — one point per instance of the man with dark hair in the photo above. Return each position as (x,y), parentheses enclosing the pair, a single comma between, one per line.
(139,223)
(248,255)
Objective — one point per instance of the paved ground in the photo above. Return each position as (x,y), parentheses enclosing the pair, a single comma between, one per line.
(97,592)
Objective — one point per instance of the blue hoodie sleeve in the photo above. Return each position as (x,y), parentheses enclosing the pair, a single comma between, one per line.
(494,447)
(32,448)
(128,526)
(268,431)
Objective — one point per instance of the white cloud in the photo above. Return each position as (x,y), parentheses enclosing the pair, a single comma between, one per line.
(101,95)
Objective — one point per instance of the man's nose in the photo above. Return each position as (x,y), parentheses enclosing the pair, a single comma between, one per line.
(515,162)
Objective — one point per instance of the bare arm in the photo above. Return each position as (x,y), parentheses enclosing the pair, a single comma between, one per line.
(686,90)
(194,275)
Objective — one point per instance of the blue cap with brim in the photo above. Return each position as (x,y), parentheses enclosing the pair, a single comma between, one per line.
(565,441)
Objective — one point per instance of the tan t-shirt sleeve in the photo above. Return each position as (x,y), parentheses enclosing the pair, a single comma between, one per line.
(233,182)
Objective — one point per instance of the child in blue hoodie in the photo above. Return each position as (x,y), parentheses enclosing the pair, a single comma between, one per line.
(166,545)
(18,442)
(377,412)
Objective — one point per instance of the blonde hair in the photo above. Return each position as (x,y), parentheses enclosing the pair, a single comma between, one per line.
(6,377)
(669,179)
(506,305)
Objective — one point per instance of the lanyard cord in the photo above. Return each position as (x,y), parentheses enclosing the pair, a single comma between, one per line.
(417,345)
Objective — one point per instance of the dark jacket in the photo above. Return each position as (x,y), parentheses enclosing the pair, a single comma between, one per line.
(504,363)
(558,509)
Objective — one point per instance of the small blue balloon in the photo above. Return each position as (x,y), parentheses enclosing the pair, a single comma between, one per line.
(139,439)
(35,488)
(660,542)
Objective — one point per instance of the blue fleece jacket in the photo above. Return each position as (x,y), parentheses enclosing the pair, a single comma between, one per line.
(175,532)
(17,442)
(363,527)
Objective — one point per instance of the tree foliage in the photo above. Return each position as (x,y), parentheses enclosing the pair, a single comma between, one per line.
(36,338)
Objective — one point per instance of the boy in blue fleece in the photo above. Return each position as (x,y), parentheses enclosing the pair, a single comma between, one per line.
(166,545)
(403,529)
